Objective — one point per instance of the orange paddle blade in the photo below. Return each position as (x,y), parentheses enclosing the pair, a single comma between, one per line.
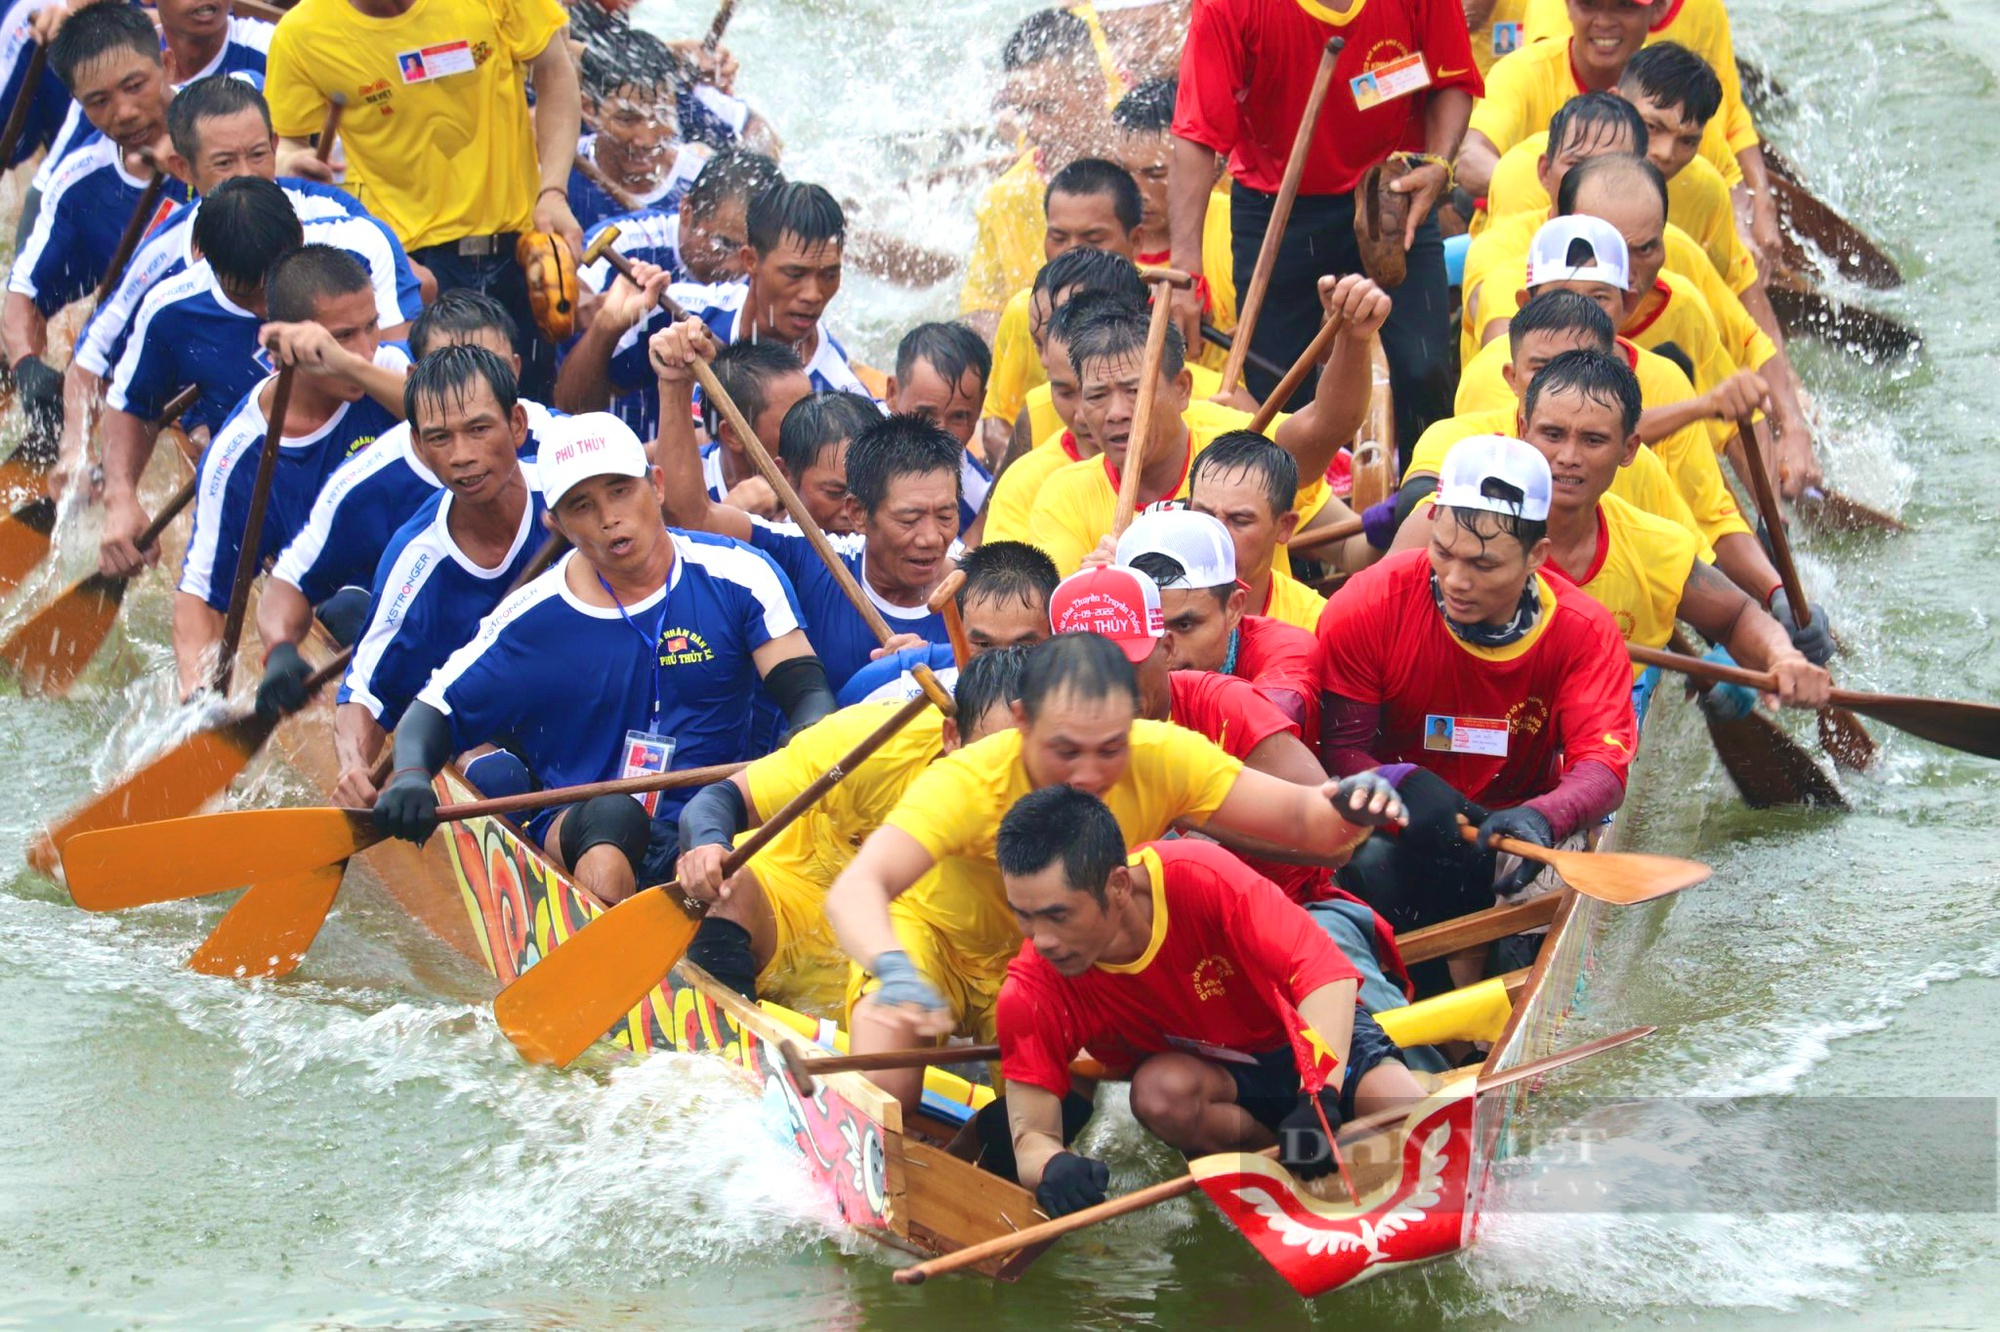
(115,868)
(24,540)
(270,928)
(174,785)
(51,650)
(1621,877)
(561,1005)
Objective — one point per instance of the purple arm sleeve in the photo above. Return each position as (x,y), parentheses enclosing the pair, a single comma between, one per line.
(1586,793)
(1346,729)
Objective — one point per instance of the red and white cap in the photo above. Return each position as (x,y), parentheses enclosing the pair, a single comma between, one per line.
(1578,248)
(1121,604)
(586,445)
(1196,541)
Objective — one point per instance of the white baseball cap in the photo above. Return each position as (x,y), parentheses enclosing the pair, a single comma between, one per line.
(1474,462)
(1578,248)
(1198,542)
(586,445)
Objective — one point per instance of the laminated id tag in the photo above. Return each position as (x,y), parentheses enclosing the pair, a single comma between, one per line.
(1221,1054)
(1385,83)
(1466,735)
(646,754)
(1506,38)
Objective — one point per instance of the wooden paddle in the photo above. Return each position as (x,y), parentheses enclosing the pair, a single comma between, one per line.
(1831,511)
(113,869)
(716,27)
(1841,733)
(135,231)
(1970,728)
(1140,1199)
(944,602)
(1227,341)
(561,1005)
(1315,352)
(248,555)
(1621,878)
(1142,415)
(1807,217)
(17,119)
(1805,311)
(601,247)
(1281,214)
(1766,765)
(336,104)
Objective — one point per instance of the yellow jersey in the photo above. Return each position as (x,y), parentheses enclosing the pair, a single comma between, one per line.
(1293,602)
(953,810)
(1639,572)
(1007,248)
(1697,202)
(437,127)
(1013,497)
(1526,89)
(1702,26)
(1044,422)
(1017,366)
(1746,345)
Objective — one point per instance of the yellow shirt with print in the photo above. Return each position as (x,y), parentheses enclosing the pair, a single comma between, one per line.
(1526,89)
(1007,249)
(1697,202)
(1644,569)
(439,157)
(1013,497)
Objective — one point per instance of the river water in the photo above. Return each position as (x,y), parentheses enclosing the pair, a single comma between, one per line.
(357,1145)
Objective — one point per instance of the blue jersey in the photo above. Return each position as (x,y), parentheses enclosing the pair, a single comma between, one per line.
(636,390)
(356,517)
(228,477)
(711,116)
(190,332)
(651,235)
(51,98)
(839,634)
(428,599)
(973,483)
(888,680)
(562,682)
(82,218)
(593,206)
(165,253)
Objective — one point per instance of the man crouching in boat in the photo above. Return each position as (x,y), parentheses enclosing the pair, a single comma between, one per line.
(1236,1015)
(1483,686)
(922,910)
(633,655)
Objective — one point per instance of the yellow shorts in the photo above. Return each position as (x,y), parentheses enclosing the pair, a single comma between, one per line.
(807,970)
(971,989)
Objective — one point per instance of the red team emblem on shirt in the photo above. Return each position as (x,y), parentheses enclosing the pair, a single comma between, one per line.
(1528,716)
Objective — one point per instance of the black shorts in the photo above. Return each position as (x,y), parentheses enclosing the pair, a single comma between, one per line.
(1269,1089)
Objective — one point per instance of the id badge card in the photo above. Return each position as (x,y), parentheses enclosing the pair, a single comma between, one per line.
(1386,83)
(1466,735)
(1221,1054)
(1506,38)
(647,753)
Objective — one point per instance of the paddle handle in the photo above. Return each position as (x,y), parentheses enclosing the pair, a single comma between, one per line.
(253,530)
(135,228)
(1142,413)
(1701,668)
(1140,1199)
(1774,522)
(17,119)
(1227,341)
(944,602)
(1315,352)
(1326,536)
(1281,214)
(885,1059)
(177,404)
(1513,846)
(168,512)
(570,795)
(329,127)
(719,25)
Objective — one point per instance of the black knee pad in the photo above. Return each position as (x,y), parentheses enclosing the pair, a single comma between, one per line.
(722,949)
(344,614)
(615,819)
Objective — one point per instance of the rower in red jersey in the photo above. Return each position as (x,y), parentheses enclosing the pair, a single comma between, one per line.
(1235,1016)
(1486,685)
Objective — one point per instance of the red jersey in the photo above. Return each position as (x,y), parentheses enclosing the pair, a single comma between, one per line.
(1286,665)
(1227,710)
(1498,724)
(1248,67)
(1228,963)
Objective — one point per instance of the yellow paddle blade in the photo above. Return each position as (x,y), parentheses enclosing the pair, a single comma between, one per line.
(115,868)
(270,928)
(560,1006)
(24,540)
(174,785)
(1623,878)
(51,650)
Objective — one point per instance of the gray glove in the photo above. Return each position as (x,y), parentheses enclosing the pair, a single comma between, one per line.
(902,983)
(1816,639)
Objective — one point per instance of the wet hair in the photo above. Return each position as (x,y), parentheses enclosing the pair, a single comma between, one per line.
(793,208)
(896,446)
(1484,524)
(1043,35)
(746,371)
(1081,307)
(245,226)
(300,280)
(819,421)
(95,31)
(1601,377)
(1089,666)
(456,314)
(1247,451)
(1087,268)
(1676,78)
(949,349)
(731,173)
(449,374)
(989,679)
(211,98)
(1592,115)
(1120,330)
(1061,822)
(1551,311)
(1169,572)
(1094,175)
(1618,173)
(629,63)
(1000,570)
(1148,108)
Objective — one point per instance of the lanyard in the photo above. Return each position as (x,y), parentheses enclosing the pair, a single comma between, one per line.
(652,643)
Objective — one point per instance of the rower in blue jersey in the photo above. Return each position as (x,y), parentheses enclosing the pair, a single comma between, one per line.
(109,57)
(902,477)
(792,257)
(328,568)
(347,390)
(629,97)
(941,373)
(764,380)
(51,100)
(633,655)
(701,240)
(1003,602)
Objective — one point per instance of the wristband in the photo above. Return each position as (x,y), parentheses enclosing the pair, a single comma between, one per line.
(1201,290)
(563,190)
(1775,589)
(1415,160)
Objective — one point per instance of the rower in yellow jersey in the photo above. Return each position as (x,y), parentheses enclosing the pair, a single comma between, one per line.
(1013,497)
(921,909)
(1250,485)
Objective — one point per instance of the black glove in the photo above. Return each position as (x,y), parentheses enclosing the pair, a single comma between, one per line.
(407,806)
(1303,1147)
(282,691)
(1523,825)
(1071,1183)
(39,387)
(1816,639)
